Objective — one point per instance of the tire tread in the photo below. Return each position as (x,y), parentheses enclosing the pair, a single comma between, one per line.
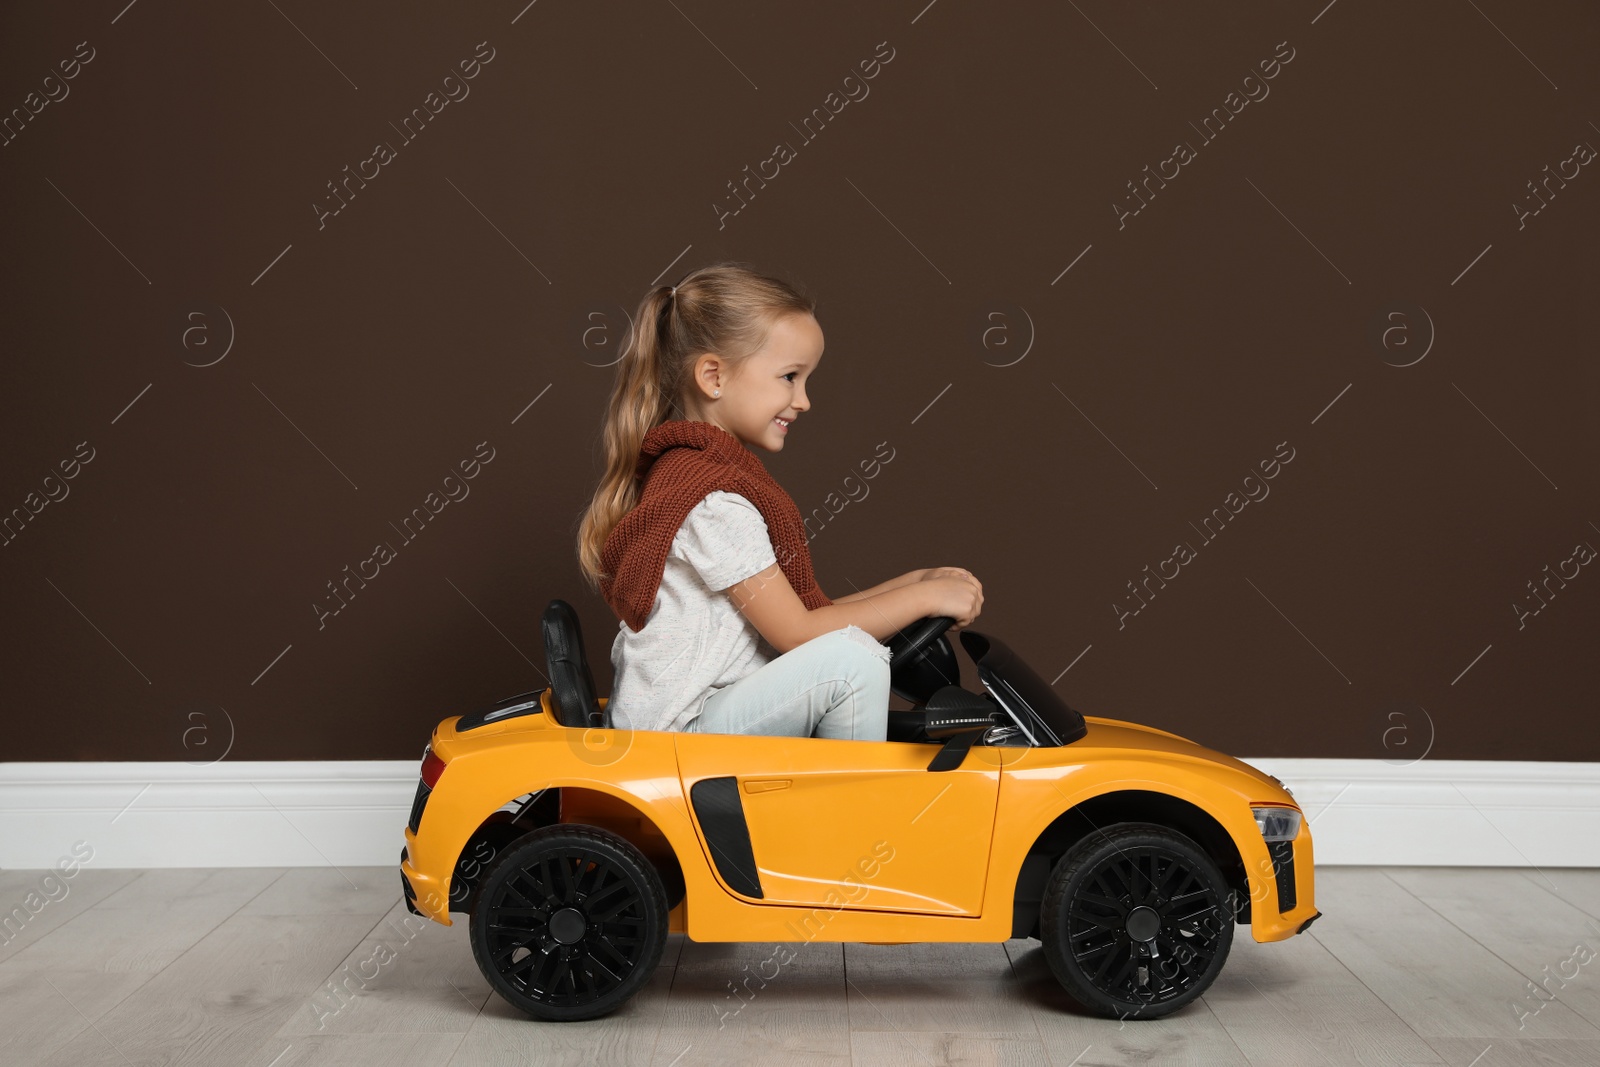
(1085,852)
(656,901)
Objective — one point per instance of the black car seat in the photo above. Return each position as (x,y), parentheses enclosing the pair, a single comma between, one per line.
(571,682)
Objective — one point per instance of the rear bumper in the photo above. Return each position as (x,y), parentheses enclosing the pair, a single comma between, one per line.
(424,896)
(405,883)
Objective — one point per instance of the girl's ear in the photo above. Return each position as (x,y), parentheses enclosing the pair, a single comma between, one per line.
(708,374)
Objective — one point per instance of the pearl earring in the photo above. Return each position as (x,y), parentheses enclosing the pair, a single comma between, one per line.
(716,392)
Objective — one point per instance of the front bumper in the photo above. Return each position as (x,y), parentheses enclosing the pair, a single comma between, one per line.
(1282,889)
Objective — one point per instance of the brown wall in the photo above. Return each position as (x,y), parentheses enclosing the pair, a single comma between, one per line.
(1054,430)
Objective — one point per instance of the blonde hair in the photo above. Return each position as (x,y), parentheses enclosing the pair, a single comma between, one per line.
(726,308)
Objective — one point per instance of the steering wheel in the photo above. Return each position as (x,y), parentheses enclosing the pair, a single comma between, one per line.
(905,645)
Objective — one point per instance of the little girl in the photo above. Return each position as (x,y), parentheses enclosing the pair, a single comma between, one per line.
(703,556)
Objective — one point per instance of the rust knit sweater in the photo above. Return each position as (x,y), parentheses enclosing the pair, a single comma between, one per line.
(681,461)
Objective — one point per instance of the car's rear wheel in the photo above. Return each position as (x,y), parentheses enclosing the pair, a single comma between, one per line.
(1136,921)
(569,923)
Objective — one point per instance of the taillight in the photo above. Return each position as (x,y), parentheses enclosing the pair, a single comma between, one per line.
(432,767)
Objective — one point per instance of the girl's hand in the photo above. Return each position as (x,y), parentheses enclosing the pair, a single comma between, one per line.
(956,594)
(948,572)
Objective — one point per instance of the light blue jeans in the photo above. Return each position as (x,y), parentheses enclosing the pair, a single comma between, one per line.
(835,685)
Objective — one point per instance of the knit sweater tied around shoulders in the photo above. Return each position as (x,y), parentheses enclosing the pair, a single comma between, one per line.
(680,462)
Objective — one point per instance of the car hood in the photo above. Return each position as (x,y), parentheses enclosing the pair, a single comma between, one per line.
(1115,734)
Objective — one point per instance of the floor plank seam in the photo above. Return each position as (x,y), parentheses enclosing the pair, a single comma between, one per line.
(173,962)
(1468,934)
(666,1005)
(1297,1031)
(1571,904)
(476,1015)
(1443,1000)
(1033,1010)
(1372,992)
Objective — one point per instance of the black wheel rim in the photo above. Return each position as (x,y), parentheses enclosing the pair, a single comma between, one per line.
(1143,926)
(582,964)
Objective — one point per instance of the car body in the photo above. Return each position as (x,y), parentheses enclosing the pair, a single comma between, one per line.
(760,838)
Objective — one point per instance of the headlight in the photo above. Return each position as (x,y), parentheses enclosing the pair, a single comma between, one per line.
(1277,824)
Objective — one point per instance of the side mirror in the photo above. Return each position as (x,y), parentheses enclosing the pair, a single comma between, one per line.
(955,749)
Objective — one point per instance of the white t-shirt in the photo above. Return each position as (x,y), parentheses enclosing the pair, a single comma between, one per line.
(694,640)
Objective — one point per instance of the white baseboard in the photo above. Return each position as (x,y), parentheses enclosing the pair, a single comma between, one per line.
(353,813)
(1453,813)
(313,813)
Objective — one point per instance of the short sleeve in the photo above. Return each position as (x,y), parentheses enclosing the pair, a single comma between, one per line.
(725,539)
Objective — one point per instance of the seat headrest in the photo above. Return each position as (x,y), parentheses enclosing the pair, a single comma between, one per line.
(571,681)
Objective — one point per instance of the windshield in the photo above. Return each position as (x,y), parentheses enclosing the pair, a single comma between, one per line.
(1041,713)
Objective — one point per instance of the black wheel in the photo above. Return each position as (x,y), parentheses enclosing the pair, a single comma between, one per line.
(569,923)
(1136,921)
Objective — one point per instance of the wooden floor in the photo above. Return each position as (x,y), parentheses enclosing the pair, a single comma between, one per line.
(236,967)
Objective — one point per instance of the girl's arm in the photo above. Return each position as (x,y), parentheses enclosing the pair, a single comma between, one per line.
(771,605)
(777,612)
(893,583)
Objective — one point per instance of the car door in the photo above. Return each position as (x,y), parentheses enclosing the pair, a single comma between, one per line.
(826,823)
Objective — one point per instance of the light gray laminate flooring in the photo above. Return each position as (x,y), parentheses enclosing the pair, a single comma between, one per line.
(236,967)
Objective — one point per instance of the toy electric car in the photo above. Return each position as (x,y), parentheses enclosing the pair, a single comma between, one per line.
(574,847)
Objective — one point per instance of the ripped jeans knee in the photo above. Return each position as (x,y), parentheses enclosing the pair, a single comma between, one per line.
(865,640)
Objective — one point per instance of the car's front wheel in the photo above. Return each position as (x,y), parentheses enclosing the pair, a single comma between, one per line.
(569,923)
(1136,921)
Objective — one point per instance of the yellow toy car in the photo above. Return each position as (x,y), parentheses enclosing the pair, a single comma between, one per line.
(574,848)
